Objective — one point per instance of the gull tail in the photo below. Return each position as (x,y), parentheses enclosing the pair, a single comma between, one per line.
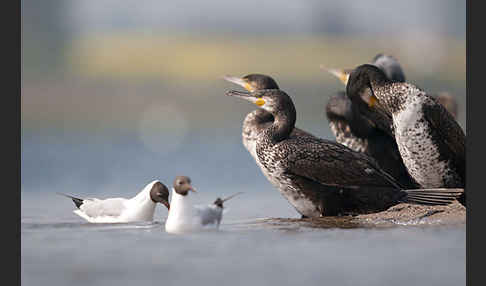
(232,196)
(433,197)
(77,201)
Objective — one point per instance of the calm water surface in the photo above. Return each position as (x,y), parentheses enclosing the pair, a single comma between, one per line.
(59,248)
(64,250)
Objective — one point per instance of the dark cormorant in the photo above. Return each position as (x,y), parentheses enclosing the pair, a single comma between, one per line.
(360,133)
(257,120)
(430,141)
(321,177)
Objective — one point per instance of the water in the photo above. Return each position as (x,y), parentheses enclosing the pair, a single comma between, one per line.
(59,248)
(71,252)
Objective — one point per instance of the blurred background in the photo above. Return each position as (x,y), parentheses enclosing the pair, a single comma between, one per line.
(117,93)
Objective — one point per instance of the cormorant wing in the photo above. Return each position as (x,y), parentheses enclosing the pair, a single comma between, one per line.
(342,131)
(333,164)
(451,135)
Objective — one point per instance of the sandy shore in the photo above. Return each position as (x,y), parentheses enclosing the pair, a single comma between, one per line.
(407,214)
(402,214)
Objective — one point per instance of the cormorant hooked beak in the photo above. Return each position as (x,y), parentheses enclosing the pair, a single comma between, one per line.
(372,101)
(341,74)
(249,96)
(239,81)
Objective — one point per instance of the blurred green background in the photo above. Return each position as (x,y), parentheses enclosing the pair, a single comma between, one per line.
(119,92)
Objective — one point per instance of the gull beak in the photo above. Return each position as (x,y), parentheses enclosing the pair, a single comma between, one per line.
(167,205)
(232,196)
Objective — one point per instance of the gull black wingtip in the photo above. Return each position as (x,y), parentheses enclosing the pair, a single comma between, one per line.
(77,201)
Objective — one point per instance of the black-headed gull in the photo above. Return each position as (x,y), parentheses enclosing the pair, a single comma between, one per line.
(184,216)
(120,210)
(212,214)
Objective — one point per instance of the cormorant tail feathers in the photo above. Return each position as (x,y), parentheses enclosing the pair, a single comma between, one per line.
(438,196)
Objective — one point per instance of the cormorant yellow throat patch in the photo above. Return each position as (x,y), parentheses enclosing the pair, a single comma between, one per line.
(373,101)
(260,102)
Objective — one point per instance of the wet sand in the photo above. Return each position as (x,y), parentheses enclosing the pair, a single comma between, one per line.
(402,214)
(407,214)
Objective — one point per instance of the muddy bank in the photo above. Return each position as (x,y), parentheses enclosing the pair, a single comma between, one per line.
(402,214)
(407,214)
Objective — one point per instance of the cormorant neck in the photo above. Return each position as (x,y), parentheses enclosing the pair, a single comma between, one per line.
(389,100)
(283,123)
(359,125)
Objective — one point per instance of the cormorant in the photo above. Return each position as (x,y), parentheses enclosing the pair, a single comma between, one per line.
(321,177)
(430,141)
(359,132)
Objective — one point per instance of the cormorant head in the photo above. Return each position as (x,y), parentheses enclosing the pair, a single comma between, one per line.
(253,82)
(390,66)
(182,185)
(160,194)
(361,81)
(271,100)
